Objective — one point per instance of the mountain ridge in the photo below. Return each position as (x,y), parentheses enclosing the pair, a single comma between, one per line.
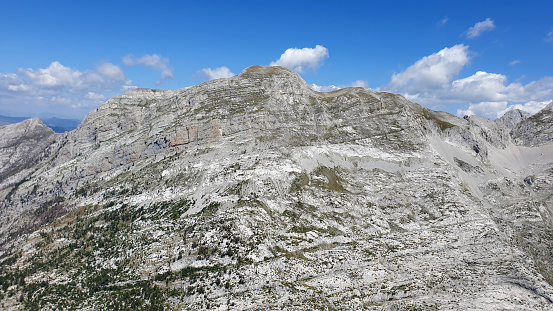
(258,192)
(59,125)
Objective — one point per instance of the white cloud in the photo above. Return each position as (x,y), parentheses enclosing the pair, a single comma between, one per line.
(92,95)
(129,85)
(479,28)
(443,21)
(57,86)
(432,81)
(360,83)
(433,71)
(531,107)
(490,110)
(325,88)
(56,75)
(154,61)
(492,87)
(330,88)
(19,88)
(493,110)
(304,59)
(59,77)
(480,86)
(515,62)
(217,73)
(111,71)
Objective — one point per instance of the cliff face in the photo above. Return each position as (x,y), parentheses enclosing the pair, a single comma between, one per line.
(513,117)
(535,130)
(258,192)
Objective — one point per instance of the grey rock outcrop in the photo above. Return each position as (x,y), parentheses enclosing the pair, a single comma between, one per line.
(512,117)
(535,130)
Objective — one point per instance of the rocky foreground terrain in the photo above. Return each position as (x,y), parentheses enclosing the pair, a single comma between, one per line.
(256,192)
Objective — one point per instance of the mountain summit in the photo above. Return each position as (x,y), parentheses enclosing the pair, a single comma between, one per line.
(256,192)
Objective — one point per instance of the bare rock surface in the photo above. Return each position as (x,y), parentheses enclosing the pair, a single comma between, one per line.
(21,146)
(513,117)
(256,192)
(536,130)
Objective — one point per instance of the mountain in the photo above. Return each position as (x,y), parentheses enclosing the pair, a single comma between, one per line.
(513,117)
(537,129)
(256,192)
(57,124)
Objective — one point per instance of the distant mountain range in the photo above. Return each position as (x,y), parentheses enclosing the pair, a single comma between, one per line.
(57,124)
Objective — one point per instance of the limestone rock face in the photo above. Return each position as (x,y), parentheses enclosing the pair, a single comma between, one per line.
(536,130)
(256,192)
(513,117)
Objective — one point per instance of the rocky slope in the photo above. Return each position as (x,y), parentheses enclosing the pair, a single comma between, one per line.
(256,192)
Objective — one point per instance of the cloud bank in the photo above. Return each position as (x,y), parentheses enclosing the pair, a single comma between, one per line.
(433,81)
(433,71)
(301,60)
(32,90)
(493,110)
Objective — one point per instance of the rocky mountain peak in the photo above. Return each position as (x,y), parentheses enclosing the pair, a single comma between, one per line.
(512,117)
(535,130)
(273,78)
(268,72)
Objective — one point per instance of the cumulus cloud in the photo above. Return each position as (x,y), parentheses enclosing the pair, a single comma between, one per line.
(490,110)
(433,81)
(433,71)
(217,73)
(56,75)
(480,28)
(59,77)
(330,88)
(531,107)
(154,61)
(58,86)
(111,71)
(301,60)
(493,110)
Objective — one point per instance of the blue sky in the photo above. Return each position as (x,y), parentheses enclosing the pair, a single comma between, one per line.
(64,58)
